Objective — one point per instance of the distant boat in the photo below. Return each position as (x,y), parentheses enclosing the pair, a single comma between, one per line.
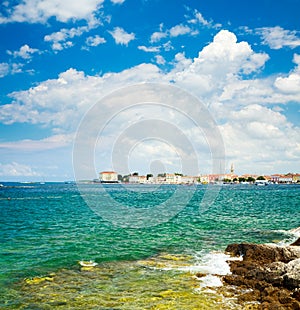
(261,182)
(87,263)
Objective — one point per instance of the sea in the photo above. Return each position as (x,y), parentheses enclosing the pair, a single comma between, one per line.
(116,246)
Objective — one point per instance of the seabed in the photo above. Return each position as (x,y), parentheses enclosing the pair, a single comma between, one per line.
(160,282)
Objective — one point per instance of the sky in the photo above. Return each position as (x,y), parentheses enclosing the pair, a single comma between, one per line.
(63,62)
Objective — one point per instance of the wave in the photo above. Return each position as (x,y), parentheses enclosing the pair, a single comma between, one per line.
(212,265)
(291,236)
(295,232)
(208,268)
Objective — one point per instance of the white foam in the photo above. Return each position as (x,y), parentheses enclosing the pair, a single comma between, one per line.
(215,263)
(210,281)
(295,232)
(212,265)
(293,235)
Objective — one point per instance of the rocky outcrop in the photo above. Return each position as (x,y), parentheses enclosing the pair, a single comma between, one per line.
(264,253)
(269,274)
(297,242)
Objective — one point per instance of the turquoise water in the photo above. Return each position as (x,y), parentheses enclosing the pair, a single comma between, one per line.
(49,227)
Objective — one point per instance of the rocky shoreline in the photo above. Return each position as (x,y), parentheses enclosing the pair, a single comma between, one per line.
(267,276)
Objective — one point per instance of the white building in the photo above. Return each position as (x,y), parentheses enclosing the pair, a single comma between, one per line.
(142,179)
(159,179)
(134,179)
(108,177)
(172,178)
(188,179)
(288,178)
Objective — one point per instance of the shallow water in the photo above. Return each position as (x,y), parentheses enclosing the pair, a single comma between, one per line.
(46,229)
(149,284)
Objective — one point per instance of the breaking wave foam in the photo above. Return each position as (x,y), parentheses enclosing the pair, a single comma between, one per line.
(212,265)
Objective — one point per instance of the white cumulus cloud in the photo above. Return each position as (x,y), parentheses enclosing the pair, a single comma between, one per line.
(157,36)
(49,143)
(4,69)
(121,36)
(10,68)
(36,11)
(174,31)
(117,1)
(198,18)
(160,60)
(61,39)
(15,169)
(179,30)
(61,102)
(151,49)
(277,37)
(95,40)
(290,84)
(218,62)
(24,52)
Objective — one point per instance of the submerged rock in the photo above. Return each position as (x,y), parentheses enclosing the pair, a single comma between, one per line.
(269,273)
(37,280)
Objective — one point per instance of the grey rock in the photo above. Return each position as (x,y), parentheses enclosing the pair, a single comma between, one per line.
(292,275)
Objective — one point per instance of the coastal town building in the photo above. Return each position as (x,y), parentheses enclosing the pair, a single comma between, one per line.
(165,178)
(296,178)
(160,179)
(285,178)
(142,179)
(213,178)
(189,179)
(247,176)
(172,178)
(108,177)
(134,179)
(275,178)
(288,178)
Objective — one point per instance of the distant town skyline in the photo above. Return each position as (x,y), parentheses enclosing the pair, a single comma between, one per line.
(179,178)
(61,58)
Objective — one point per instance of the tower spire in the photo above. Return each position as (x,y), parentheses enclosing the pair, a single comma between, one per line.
(232,169)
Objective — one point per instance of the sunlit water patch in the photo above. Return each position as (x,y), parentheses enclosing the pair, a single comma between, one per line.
(165,281)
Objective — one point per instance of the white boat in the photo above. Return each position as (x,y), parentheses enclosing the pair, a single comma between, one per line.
(261,182)
(87,263)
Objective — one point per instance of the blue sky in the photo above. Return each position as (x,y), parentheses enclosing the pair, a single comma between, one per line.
(58,59)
